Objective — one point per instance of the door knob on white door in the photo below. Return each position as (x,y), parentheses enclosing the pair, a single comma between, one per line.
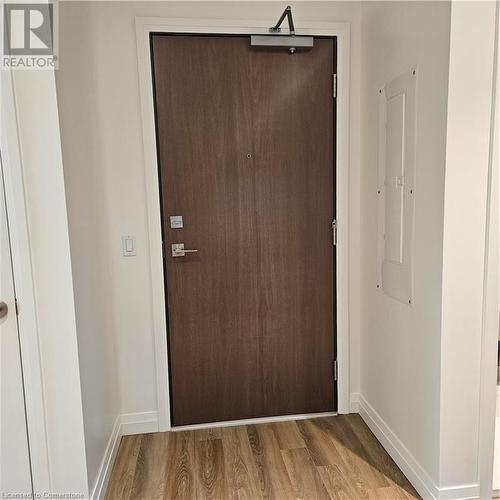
(3,310)
(178,250)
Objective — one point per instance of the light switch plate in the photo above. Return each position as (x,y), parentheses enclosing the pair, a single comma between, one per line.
(128,246)
(176,222)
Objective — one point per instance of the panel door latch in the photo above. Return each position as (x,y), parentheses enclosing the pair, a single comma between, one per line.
(334,232)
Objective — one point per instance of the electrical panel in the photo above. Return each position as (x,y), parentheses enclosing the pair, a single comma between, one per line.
(396,186)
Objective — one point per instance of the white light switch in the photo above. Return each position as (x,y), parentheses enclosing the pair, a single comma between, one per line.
(128,246)
(176,222)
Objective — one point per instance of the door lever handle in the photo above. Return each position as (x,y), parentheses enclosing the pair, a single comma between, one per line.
(178,250)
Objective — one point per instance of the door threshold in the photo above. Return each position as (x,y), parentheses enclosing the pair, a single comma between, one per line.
(251,421)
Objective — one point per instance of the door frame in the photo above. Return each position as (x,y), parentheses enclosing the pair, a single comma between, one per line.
(33,382)
(147,25)
(491,298)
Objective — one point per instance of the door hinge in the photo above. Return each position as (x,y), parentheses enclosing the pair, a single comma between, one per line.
(162,249)
(335,370)
(334,85)
(16,305)
(334,232)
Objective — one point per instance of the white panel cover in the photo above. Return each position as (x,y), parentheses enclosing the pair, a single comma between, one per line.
(396,190)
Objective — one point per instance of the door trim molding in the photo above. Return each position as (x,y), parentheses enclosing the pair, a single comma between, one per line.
(491,288)
(147,25)
(33,380)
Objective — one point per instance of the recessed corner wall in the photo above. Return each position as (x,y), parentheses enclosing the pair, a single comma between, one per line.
(400,342)
(420,378)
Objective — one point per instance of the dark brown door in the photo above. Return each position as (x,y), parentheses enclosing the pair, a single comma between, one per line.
(246,157)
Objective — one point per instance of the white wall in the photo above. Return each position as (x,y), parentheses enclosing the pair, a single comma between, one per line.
(469,123)
(102,147)
(86,186)
(400,344)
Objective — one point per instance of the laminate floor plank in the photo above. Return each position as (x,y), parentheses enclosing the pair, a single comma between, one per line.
(211,433)
(125,468)
(337,484)
(314,459)
(378,457)
(319,444)
(304,476)
(150,472)
(354,455)
(389,492)
(180,468)
(242,476)
(288,435)
(274,477)
(211,478)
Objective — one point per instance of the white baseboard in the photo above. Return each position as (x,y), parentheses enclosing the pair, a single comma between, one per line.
(126,424)
(418,477)
(354,402)
(462,492)
(101,481)
(397,450)
(139,423)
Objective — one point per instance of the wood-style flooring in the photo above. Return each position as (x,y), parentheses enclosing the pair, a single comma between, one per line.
(321,458)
